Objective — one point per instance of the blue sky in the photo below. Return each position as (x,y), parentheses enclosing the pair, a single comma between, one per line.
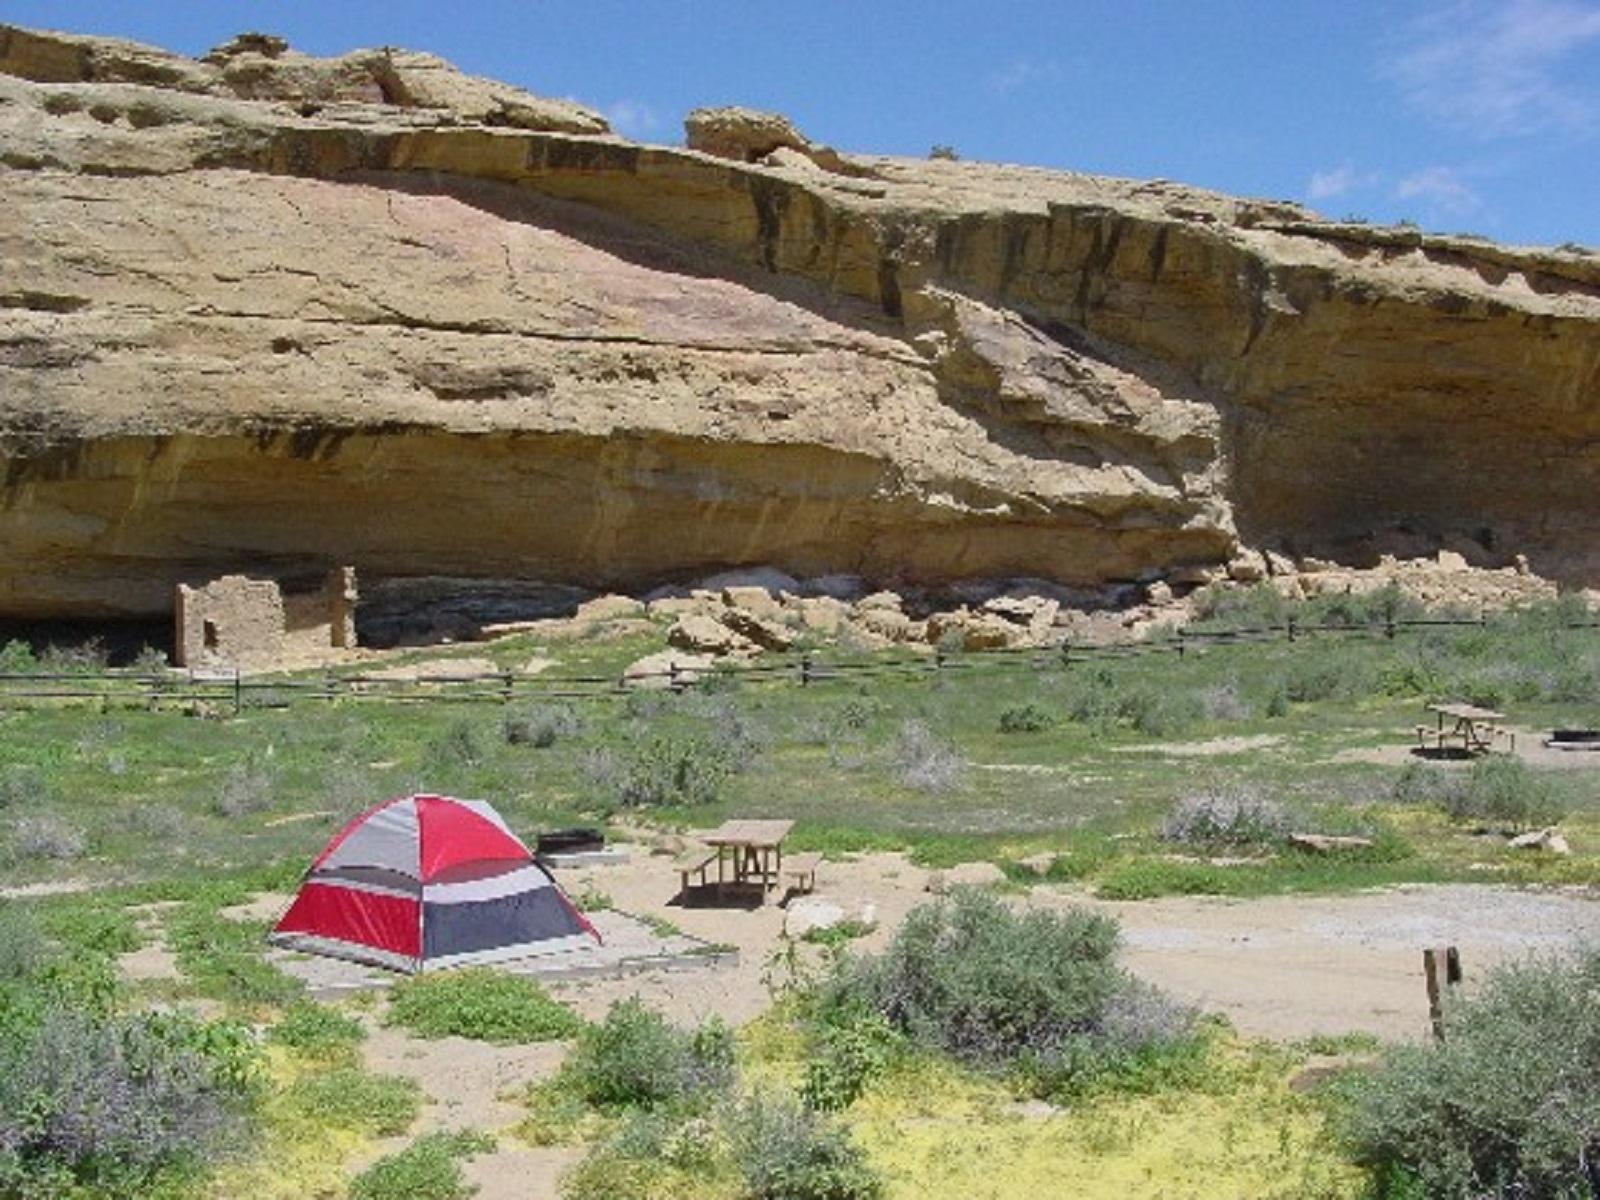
(1462,115)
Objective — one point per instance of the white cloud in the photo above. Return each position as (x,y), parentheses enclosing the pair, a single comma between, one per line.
(1339,181)
(1441,187)
(1021,73)
(1494,67)
(633,119)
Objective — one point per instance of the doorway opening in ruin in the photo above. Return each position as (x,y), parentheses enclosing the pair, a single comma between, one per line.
(208,632)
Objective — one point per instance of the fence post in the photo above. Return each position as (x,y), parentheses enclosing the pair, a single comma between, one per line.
(1441,969)
(1066,650)
(506,679)
(805,669)
(238,691)
(1289,628)
(672,675)
(1182,644)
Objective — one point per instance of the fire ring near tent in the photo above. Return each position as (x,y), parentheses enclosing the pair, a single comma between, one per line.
(428,881)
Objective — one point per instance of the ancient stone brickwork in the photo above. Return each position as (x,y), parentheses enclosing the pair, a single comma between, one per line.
(237,621)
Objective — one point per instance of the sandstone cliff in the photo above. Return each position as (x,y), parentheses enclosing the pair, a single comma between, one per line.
(272,312)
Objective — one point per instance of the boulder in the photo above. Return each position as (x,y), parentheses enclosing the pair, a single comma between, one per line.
(972,874)
(675,606)
(1193,575)
(1450,560)
(1039,864)
(1551,841)
(973,631)
(756,600)
(609,608)
(888,623)
(1248,566)
(699,633)
(1035,612)
(1159,593)
(884,600)
(1279,563)
(768,634)
(655,671)
(807,914)
(742,134)
(823,614)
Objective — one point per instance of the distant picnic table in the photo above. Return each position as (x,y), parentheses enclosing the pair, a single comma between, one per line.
(1471,729)
(748,853)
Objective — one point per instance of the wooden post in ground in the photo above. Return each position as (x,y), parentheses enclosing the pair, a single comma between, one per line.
(1441,968)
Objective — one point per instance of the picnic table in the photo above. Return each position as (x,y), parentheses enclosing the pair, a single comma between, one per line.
(748,853)
(1473,730)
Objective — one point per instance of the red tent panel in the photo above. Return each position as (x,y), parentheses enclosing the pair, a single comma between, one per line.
(453,835)
(392,923)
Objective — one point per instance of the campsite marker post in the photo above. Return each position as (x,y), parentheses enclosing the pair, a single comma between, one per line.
(1441,967)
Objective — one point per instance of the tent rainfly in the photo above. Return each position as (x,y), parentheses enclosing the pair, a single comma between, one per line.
(427,881)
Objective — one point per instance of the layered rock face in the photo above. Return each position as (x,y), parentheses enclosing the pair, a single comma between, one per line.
(267,312)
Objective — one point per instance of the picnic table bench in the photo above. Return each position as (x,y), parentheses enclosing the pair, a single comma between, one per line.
(802,871)
(1474,730)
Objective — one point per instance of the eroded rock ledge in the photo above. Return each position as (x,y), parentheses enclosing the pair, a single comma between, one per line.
(265,311)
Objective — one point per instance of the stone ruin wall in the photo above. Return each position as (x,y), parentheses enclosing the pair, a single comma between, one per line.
(237,621)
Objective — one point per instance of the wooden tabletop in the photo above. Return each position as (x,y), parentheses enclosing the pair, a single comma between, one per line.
(748,833)
(1467,712)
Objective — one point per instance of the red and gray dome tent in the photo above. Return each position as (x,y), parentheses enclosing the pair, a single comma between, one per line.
(427,881)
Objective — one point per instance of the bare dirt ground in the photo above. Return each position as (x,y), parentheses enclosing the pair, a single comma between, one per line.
(1530,748)
(1281,967)
(1293,966)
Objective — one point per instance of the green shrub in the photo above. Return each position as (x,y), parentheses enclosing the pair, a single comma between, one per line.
(93,928)
(1503,791)
(47,836)
(460,745)
(222,958)
(1326,672)
(428,1169)
(834,936)
(848,1051)
(669,770)
(23,948)
(1159,712)
(23,787)
(115,1103)
(1146,878)
(1024,718)
(1224,702)
(1507,1106)
(540,725)
(350,1098)
(924,762)
(1278,699)
(16,658)
(1039,993)
(654,1156)
(635,1059)
(785,1151)
(248,788)
(317,1031)
(1226,817)
(480,1003)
